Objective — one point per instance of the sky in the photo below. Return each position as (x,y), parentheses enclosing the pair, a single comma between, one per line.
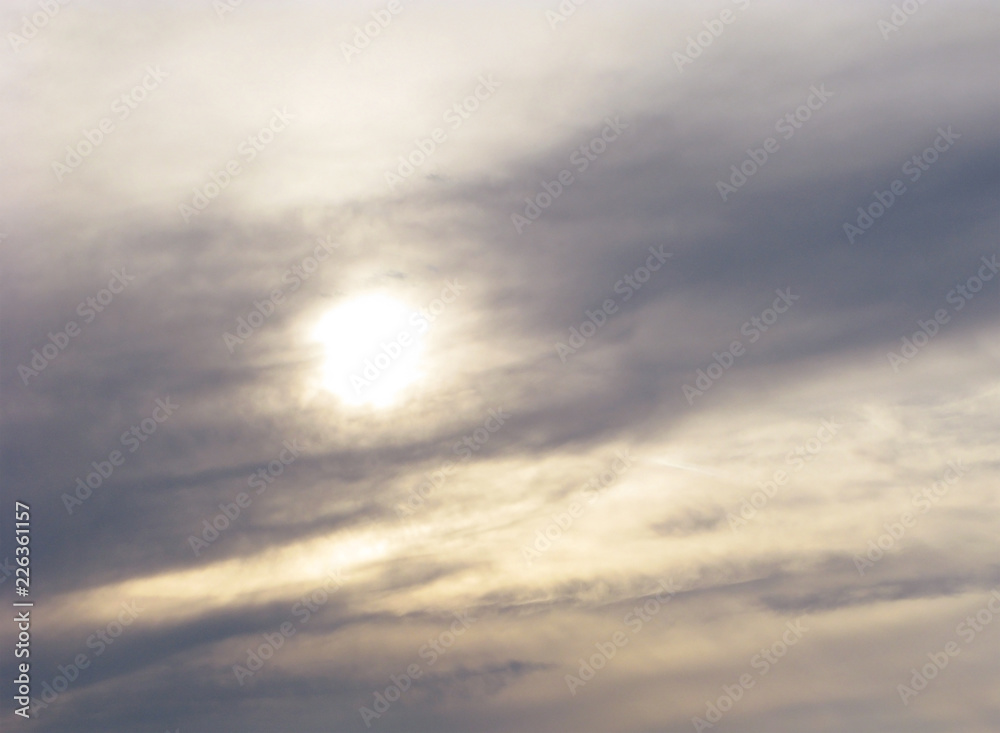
(500,367)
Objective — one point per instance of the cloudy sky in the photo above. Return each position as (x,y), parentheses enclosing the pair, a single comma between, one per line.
(502,367)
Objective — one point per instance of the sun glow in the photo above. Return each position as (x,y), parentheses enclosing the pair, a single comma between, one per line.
(373,349)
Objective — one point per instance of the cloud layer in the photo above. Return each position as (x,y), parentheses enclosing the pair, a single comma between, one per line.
(696,339)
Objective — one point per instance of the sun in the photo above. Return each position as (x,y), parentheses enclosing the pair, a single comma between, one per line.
(373,349)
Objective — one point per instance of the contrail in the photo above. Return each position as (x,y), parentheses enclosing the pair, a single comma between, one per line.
(689,467)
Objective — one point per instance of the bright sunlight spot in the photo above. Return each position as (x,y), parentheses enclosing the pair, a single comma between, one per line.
(373,349)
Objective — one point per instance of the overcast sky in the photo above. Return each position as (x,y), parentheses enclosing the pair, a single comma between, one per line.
(491,367)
